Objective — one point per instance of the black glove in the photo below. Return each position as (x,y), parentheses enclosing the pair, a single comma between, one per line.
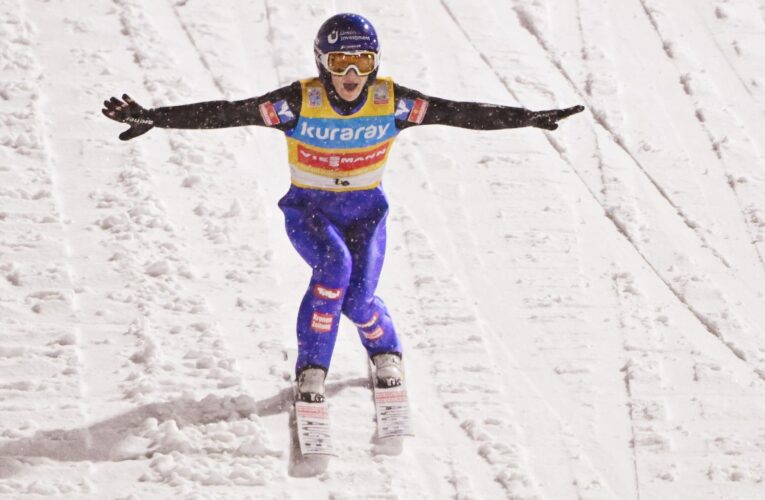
(140,119)
(548,119)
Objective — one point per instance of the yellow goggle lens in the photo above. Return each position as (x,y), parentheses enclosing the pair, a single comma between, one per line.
(340,62)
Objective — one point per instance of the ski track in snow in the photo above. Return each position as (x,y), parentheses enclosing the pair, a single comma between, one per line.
(730,327)
(555,291)
(727,126)
(619,218)
(526,20)
(705,317)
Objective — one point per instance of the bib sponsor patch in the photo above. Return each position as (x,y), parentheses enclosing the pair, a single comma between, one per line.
(314,97)
(338,133)
(340,161)
(381,94)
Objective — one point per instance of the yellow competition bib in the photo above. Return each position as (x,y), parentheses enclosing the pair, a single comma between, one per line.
(333,152)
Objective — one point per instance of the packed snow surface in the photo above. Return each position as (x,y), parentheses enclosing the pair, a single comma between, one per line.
(583,311)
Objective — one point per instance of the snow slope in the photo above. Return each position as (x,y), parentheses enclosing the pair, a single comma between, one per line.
(581,309)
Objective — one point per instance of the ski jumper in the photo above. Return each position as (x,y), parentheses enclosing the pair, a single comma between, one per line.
(335,210)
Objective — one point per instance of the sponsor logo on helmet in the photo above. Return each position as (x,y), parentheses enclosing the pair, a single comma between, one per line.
(341,161)
(350,35)
(349,40)
(322,323)
(327,293)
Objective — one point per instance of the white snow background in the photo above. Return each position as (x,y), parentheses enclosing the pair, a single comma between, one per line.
(583,310)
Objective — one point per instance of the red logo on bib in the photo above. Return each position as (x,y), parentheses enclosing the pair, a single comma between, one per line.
(341,162)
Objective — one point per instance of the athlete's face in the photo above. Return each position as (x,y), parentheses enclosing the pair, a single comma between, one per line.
(350,85)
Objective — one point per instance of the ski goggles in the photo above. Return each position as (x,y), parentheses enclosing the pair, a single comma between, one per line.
(340,63)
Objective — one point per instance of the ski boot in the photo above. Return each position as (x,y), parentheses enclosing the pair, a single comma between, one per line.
(310,385)
(388,370)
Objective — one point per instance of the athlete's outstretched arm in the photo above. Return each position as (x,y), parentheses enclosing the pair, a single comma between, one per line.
(414,108)
(277,109)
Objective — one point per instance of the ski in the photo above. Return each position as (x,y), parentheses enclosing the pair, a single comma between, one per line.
(392,409)
(393,416)
(313,428)
(310,432)
(311,437)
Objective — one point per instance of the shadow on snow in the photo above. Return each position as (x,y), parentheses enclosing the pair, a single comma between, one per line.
(95,442)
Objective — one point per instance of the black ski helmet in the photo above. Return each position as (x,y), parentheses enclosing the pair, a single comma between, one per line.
(345,33)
